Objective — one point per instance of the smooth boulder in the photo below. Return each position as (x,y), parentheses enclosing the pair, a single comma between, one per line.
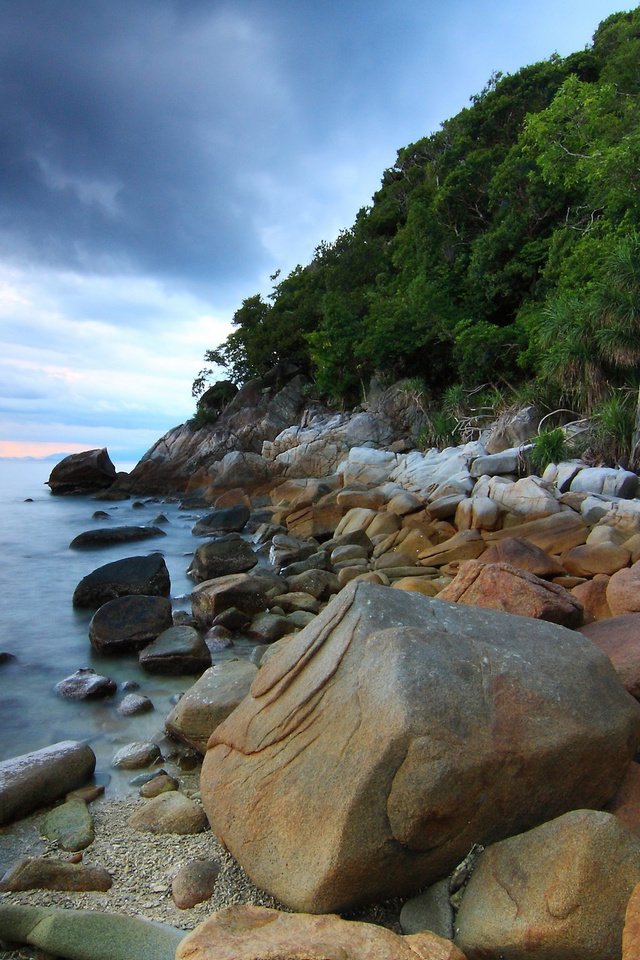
(219,558)
(177,650)
(558,892)
(410,729)
(35,779)
(132,576)
(129,623)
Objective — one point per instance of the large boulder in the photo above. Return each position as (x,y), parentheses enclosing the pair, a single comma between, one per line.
(123,578)
(35,779)
(129,623)
(558,892)
(253,933)
(410,729)
(619,638)
(83,472)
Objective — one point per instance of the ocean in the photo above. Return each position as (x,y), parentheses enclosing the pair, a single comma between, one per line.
(49,638)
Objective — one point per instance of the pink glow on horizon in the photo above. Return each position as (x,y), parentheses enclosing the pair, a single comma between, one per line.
(38,448)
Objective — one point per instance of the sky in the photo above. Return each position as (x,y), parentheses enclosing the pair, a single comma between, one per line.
(160,159)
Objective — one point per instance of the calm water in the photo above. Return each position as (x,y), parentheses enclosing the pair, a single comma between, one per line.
(38,624)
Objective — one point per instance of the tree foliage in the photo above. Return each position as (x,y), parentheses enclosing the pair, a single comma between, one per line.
(502,248)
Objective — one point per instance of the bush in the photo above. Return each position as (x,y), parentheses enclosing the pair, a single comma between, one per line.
(550,446)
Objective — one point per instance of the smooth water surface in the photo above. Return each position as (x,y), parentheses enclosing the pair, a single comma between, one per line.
(38,624)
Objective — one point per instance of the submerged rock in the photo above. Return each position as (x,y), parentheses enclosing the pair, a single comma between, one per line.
(105,536)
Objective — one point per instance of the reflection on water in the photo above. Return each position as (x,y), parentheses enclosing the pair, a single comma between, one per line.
(48,637)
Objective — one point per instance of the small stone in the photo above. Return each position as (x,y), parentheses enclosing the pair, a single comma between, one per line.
(194,883)
(134,704)
(70,824)
(85,683)
(169,813)
(140,753)
(163,783)
(38,873)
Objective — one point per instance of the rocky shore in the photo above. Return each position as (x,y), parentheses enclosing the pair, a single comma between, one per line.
(441,696)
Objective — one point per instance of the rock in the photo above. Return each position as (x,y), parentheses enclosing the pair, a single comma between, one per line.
(82,473)
(106,536)
(527,715)
(140,753)
(39,873)
(88,934)
(297,600)
(132,576)
(563,887)
(219,638)
(129,623)
(590,559)
(477,513)
(606,481)
(169,813)
(246,593)
(500,586)
(134,704)
(254,933)
(423,585)
(86,683)
(553,534)
(461,546)
(209,701)
(625,805)
(592,594)
(319,583)
(35,779)
(194,883)
(286,549)
(268,627)
(619,638)
(176,651)
(431,910)
(623,591)
(528,498)
(218,558)
(70,824)
(161,783)
(631,930)
(317,520)
(227,520)
(525,555)
(511,430)
(506,461)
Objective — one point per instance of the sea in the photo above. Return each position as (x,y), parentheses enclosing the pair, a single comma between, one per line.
(48,638)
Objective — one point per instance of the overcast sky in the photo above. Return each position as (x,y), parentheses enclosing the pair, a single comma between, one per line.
(161,158)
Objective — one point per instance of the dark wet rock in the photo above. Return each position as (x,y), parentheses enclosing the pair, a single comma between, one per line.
(85,683)
(133,704)
(140,753)
(178,650)
(217,558)
(137,505)
(70,825)
(268,627)
(226,520)
(129,685)
(141,778)
(82,473)
(100,515)
(286,549)
(129,623)
(35,779)
(38,873)
(232,619)
(6,657)
(159,519)
(240,590)
(122,578)
(218,638)
(106,536)
(194,883)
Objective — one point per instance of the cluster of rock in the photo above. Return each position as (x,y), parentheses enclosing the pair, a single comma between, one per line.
(441,697)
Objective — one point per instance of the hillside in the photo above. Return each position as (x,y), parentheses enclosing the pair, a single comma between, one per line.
(499,260)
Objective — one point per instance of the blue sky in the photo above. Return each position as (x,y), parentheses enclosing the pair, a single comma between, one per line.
(161,158)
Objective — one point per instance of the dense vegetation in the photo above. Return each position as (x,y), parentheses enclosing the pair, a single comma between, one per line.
(502,251)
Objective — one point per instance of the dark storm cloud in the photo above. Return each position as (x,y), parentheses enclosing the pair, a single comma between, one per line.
(126,130)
